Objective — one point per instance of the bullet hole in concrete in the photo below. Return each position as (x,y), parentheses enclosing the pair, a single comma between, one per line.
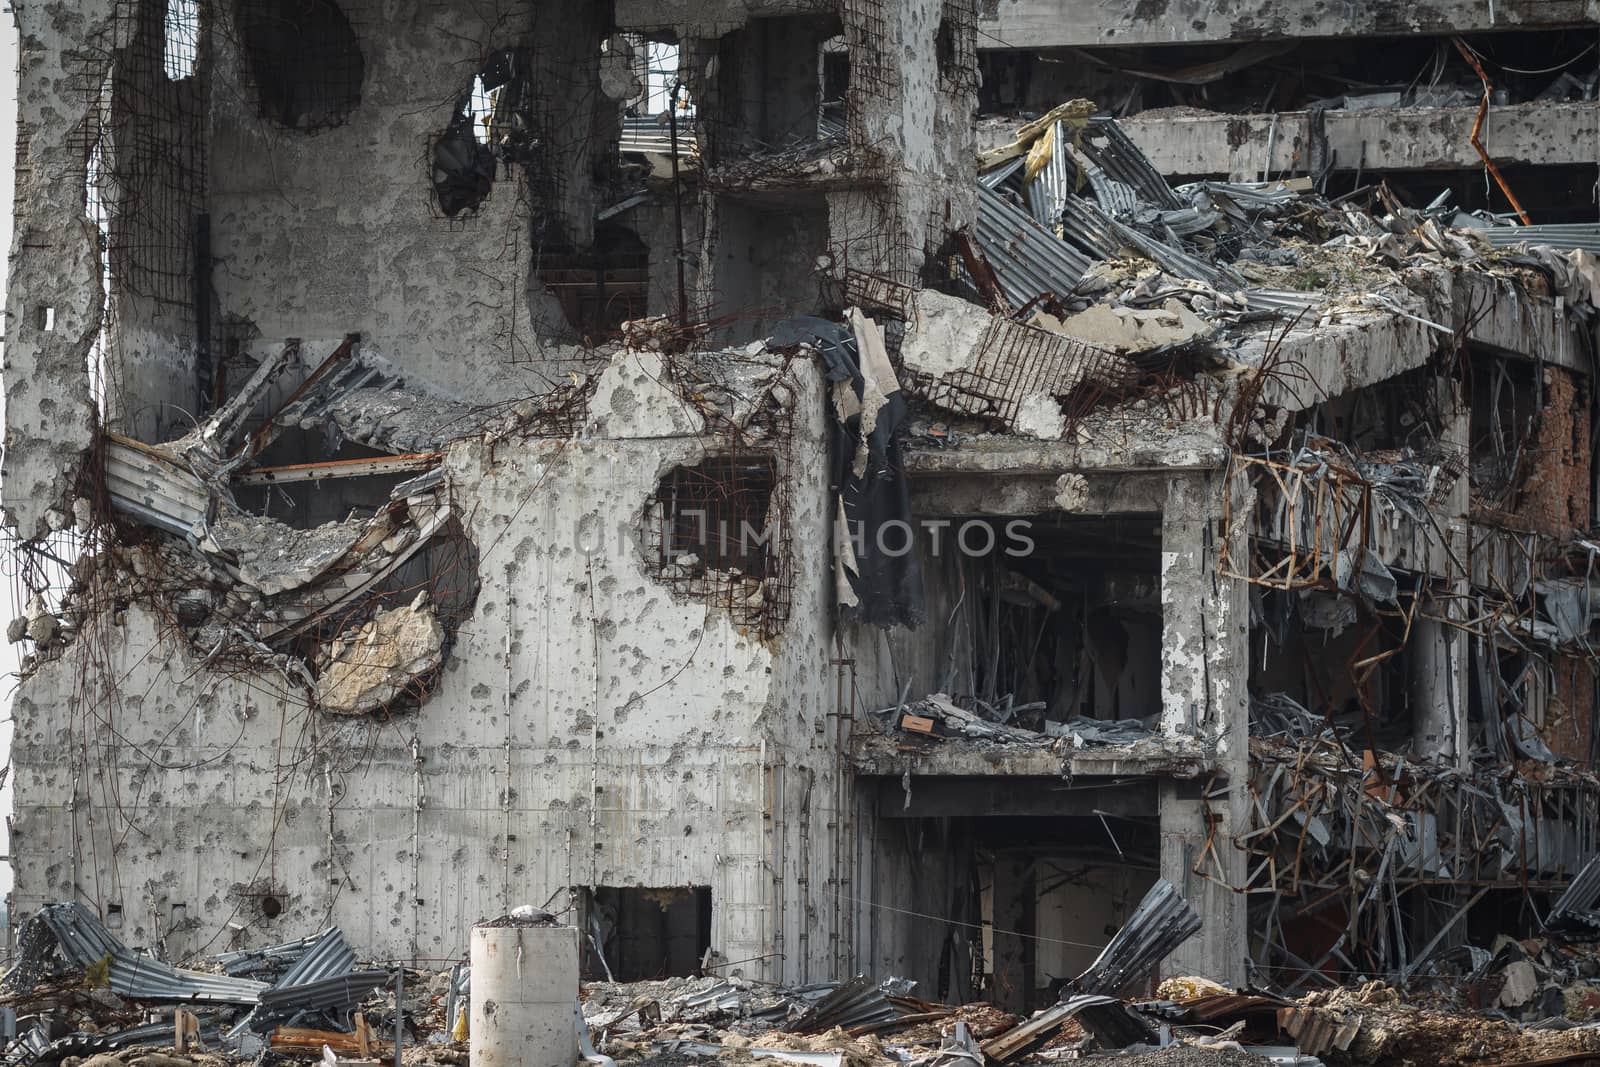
(305,60)
(644,933)
(271,906)
(491,125)
(180,51)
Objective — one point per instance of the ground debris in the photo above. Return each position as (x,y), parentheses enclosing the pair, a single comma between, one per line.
(1394,1032)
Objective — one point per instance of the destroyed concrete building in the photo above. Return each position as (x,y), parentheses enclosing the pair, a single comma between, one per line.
(800,485)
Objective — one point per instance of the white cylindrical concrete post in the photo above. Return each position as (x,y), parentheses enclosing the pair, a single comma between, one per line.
(524,984)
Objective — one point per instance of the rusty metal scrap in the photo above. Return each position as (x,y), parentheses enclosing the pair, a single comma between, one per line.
(1016,360)
(1340,840)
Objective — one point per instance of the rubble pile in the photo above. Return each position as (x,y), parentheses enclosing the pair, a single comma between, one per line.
(78,997)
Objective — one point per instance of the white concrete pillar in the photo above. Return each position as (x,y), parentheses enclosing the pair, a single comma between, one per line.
(1186,595)
(1438,665)
(524,986)
(1205,667)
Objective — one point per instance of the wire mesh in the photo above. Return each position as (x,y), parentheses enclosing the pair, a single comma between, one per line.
(718,533)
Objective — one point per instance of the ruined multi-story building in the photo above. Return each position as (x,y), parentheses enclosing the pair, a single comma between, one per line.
(794,484)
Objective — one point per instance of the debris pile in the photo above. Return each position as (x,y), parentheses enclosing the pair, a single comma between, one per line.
(77,991)
(938,716)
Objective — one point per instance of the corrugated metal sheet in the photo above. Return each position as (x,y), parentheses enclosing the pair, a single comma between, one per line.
(1120,158)
(1056,181)
(1573,912)
(1027,259)
(83,941)
(272,958)
(153,486)
(1584,235)
(324,980)
(333,994)
(1162,922)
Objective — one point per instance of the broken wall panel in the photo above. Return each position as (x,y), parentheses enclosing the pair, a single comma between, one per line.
(571,711)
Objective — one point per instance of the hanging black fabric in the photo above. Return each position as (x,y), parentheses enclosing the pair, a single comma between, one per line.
(880,558)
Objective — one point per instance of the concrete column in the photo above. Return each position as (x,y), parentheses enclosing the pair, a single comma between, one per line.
(1205,666)
(1438,690)
(524,990)
(1439,653)
(1219,950)
(1186,551)
(1015,899)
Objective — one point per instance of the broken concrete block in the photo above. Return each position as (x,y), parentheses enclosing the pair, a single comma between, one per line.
(945,334)
(371,666)
(1072,490)
(1039,415)
(1126,329)
(1522,982)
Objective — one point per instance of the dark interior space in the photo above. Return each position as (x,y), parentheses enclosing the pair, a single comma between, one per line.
(1338,658)
(647,933)
(1267,76)
(1052,616)
(1027,900)
(600,288)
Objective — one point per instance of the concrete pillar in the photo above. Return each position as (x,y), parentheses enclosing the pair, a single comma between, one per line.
(1015,897)
(1219,950)
(1438,686)
(1205,669)
(1186,549)
(524,987)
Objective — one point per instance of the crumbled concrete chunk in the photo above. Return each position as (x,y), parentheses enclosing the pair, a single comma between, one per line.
(945,334)
(1072,491)
(371,666)
(1039,415)
(1124,329)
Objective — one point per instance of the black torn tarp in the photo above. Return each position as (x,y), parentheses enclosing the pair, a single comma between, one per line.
(877,565)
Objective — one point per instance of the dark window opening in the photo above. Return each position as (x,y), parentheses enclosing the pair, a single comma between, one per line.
(602,288)
(768,91)
(1047,617)
(1031,878)
(305,59)
(715,516)
(1324,659)
(635,934)
(715,531)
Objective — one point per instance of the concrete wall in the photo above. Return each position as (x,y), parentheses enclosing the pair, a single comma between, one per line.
(1087,23)
(591,728)
(1374,140)
(319,234)
(54,261)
